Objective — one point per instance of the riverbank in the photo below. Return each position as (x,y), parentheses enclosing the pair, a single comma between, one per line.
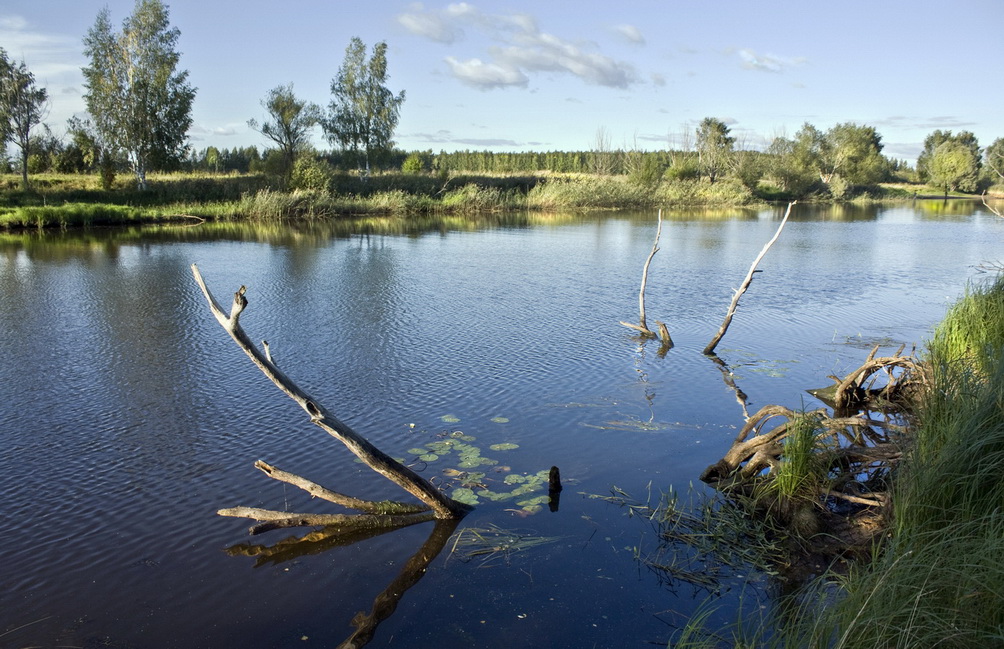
(936,579)
(939,581)
(80,201)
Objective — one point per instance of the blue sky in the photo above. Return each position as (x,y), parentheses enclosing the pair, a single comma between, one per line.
(522,75)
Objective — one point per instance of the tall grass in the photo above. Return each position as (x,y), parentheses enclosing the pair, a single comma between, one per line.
(940,580)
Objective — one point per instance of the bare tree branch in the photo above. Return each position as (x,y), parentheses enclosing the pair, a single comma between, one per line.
(443,506)
(710,349)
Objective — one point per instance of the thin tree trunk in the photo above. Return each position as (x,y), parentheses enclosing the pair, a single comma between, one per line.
(373,457)
(642,325)
(710,349)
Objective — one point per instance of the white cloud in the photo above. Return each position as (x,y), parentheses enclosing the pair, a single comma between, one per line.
(766,62)
(434,26)
(523,49)
(485,76)
(630,33)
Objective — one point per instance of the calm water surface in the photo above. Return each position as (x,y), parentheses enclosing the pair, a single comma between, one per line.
(128,416)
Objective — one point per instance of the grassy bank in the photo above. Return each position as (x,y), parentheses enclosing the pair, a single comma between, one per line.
(71,200)
(79,200)
(61,201)
(940,580)
(936,579)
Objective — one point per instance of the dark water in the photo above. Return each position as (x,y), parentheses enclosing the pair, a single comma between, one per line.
(129,416)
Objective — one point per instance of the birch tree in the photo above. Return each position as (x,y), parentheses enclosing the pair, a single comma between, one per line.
(23,106)
(363,112)
(139,102)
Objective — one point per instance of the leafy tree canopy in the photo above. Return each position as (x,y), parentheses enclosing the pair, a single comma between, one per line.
(23,106)
(288,123)
(139,102)
(363,112)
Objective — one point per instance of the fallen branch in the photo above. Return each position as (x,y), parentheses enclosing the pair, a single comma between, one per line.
(442,506)
(382,507)
(273,520)
(710,349)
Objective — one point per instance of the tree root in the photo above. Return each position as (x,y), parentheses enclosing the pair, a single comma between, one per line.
(842,498)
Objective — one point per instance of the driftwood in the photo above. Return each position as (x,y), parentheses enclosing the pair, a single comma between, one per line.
(436,504)
(854,454)
(642,326)
(710,349)
(858,387)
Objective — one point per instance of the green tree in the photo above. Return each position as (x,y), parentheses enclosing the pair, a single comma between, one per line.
(139,102)
(363,113)
(855,153)
(994,155)
(953,166)
(288,123)
(936,139)
(23,106)
(714,147)
(796,164)
(213,159)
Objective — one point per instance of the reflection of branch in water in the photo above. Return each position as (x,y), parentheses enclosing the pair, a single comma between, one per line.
(727,375)
(386,602)
(316,542)
(323,540)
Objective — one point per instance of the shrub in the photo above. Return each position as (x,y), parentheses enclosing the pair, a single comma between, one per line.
(414,164)
(309,173)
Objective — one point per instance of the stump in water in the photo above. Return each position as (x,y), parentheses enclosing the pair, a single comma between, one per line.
(826,477)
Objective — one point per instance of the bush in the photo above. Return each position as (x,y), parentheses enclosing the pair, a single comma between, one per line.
(311,174)
(683,170)
(415,164)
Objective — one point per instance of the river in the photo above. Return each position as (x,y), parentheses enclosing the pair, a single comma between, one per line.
(128,416)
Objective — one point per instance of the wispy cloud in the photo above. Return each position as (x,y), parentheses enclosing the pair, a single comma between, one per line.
(436,26)
(916,122)
(444,136)
(522,49)
(767,62)
(630,33)
(50,57)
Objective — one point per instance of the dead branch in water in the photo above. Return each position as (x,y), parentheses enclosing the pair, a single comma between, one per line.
(642,326)
(441,506)
(710,349)
(988,206)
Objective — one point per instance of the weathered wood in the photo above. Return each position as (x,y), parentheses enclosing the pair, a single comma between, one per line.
(443,506)
(272,519)
(710,349)
(642,325)
(316,490)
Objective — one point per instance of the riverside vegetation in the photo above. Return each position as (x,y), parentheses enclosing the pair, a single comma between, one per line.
(315,191)
(934,578)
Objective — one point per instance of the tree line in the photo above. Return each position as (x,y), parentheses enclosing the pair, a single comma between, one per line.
(139,106)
